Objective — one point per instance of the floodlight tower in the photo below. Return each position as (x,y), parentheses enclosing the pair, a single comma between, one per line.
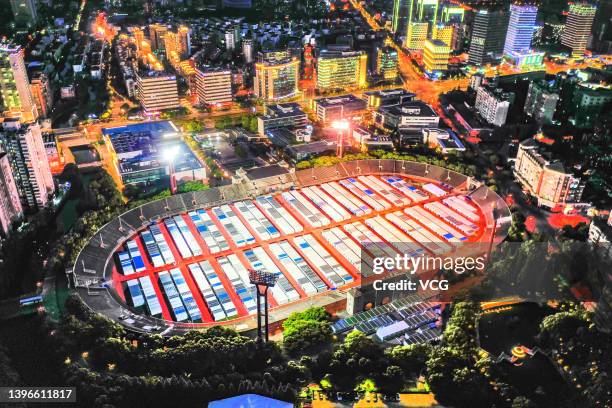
(170,154)
(263,281)
(340,126)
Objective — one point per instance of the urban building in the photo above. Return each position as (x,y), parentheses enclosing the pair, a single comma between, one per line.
(388,97)
(214,86)
(386,63)
(443,139)
(347,107)
(277,79)
(286,115)
(10,205)
(413,115)
(138,153)
(541,102)
(546,180)
(24,11)
(450,34)
(341,70)
(577,30)
(365,140)
(589,101)
(240,4)
(527,59)
(15,94)
(492,105)
(156,36)
(157,91)
(42,94)
(600,236)
(26,154)
(435,57)
(184,41)
(247,50)
(416,34)
(488,36)
(520,28)
(452,14)
(230,42)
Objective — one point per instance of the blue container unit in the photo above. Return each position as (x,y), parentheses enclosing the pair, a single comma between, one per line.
(153,306)
(162,244)
(179,313)
(214,240)
(208,294)
(236,272)
(186,296)
(136,297)
(136,256)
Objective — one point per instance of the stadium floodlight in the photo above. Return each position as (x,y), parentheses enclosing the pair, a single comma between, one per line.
(263,280)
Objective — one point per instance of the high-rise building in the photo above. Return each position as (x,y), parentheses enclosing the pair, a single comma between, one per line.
(492,105)
(541,102)
(247,50)
(10,205)
(435,56)
(183,37)
(41,93)
(277,80)
(15,94)
(602,28)
(449,34)
(230,42)
(341,69)
(488,36)
(156,35)
(29,163)
(157,91)
(520,28)
(386,63)
(452,14)
(422,15)
(589,101)
(214,86)
(546,180)
(578,27)
(24,11)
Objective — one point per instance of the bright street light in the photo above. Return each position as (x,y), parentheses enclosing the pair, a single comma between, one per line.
(340,124)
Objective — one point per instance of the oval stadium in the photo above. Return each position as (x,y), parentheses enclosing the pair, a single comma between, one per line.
(183,262)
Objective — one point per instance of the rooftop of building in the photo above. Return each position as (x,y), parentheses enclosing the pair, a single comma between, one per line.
(273,170)
(281,110)
(156,128)
(498,93)
(339,53)
(339,100)
(311,148)
(389,93)
(412,108)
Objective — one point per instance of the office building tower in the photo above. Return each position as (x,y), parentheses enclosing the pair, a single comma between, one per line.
(240,4)
(10,205)
(139,38)
(42,94)
(602,28)
(492,105)
(277,80)
(171,47)
(156,36)
(541,102)
(230,40)
(15,94)
(452,14)
(386,63)
(24,11)
(399,8)
(578,27)
(183,37)
(422,16)
(157,91)
(341,70)
(449,34)
(29,163)
(214,86)
(520,28)
(589,102)
(435,57)
(488,36)
(546,180)
(247,50)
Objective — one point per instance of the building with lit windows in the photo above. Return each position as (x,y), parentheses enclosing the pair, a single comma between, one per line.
(422,15)
(526,59)
(28,159)
(386,63)
(341,70)
(435,56)
(488,36)
(416,34)
(10,205)
(247,50)
(577,28)
(15,93)
(492,105)
(157,91)
(452,14)
(24,11)
(214,86)
(183,38)
(282,115)
(546,180)
(413,115)
(590,100)
(347,107)
(541,101)
(42,93)
(156,36)
(450,34)
(520,28)
(388,97)
(277,80)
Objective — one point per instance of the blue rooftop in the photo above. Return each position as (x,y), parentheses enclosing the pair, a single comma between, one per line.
(249,401)
(157,128)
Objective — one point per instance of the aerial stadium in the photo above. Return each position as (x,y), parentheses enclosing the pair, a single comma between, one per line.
(181,263)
